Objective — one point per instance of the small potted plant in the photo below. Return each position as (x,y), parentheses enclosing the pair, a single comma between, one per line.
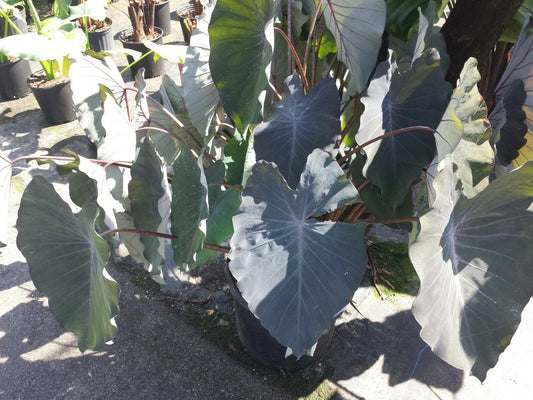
(188,16)
(14,72)
(91,18)
(142,18)
(53,41)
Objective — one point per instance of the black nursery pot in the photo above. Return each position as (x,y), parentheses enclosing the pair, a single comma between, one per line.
(152,68)
(20,23)
(260,345)
(101,39)
(55,101)
(182,15)
(162,16)
(13,79)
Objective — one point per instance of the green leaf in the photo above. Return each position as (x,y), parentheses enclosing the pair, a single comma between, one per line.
(189,206)
(515,25)
(5,187)
(402,15)
(199,90)
(94,9)
(296,273)
(299,124)
(239,158)
(31,46)
(393,101)
(357,26)
(425,37)
(88,184)
(241,37)
(223,202)
(150,199)
(67,259)
(473,257)
(374,201)
(464,132)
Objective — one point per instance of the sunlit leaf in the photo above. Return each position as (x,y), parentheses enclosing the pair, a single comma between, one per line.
(296,273)
(199,90)
(67,259)
(473,257)
(357,26)
(241,37)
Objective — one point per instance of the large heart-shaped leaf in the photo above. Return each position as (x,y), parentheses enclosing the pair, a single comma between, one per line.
(300,123)
(5,187)
(241,36)
(296,273)
(150,199)
(189,206)
(397,100)
(357,26)
(67,259)
(200,93)
(473,257)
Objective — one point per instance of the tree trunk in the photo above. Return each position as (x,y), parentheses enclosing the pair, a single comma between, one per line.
(472,30)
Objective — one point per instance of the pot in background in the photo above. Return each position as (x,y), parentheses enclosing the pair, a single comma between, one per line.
(101,39)
(258,342)
(14,79)
(152,68)
(20,22)
(162,16)
(186,12)
(55,99)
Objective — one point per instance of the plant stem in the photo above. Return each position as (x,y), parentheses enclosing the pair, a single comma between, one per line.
(386,135)
(300,68)
(226,185)
(308,43)
(177,121)
(388,221)
(215,247)
(126,164)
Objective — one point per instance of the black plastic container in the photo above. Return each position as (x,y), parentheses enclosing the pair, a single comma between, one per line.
(55,101)
(260,345)
(14,79)
(152,68)
(183,11)
(162,16)
(19,22)
(101,39)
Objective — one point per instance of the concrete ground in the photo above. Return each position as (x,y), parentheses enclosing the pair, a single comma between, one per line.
(158,354)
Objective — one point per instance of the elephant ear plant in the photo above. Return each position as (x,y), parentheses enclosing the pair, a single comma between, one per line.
(50,45)
(360,129)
